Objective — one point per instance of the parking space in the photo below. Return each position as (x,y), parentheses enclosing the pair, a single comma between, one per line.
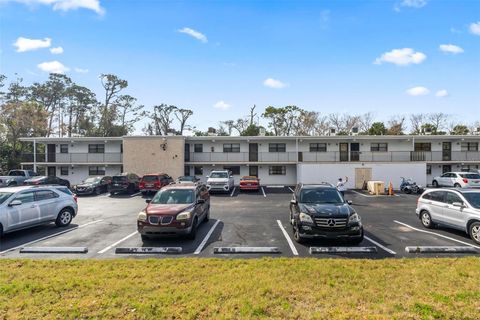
(242,224)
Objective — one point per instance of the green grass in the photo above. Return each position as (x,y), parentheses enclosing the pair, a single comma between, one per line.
(233,289)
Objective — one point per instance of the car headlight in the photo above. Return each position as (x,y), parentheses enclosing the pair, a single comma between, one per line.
(354,218)
(305,218)
(142,216)
(184,215)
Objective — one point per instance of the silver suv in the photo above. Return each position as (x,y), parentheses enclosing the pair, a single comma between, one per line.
(28,206)
(220,180)
(455,208)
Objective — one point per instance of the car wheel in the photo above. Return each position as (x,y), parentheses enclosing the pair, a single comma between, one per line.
(291,217)
(435,184)
(297,237)
(474,231)
(193,232)
(407,190)
(457,185)
(64,218)
(426,219)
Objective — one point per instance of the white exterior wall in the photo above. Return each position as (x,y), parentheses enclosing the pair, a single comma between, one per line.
(387,172)
(78,173)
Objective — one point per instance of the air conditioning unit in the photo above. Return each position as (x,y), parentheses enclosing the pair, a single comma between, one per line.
(332,132)
(427,131)
(477,131)
(212,131)
(262,132)
(354,131)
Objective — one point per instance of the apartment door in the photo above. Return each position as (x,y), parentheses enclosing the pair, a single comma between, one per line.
(187,152)
(253,152)
(354,151)
(343,147)
(51,171)
(253,171)
(362,175)
(51,153)
(446,151)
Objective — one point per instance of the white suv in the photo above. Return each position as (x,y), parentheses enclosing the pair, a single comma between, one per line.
(28,206)
(457,180)
(220,180)
(455,208)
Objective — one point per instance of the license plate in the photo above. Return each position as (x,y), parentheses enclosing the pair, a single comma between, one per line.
(149,185)
(249,184)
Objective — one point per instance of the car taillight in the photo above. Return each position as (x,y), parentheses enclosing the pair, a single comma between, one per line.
(142,184)
(465,180)
(75,198)
(157,184)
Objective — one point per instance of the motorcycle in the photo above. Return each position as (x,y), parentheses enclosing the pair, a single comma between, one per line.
(409,186)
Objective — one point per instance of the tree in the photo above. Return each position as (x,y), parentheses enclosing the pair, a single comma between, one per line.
(416,121)
(306,123)
(128,112)
(252,115)
(182,115)
(162,118)
(460,130)
(377,129)
(112,85)
(365,122)
(282,120)
(438,121)
(80,103)
(251,130)
(396,125)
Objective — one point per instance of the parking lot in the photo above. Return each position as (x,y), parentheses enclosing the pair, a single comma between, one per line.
(242,224)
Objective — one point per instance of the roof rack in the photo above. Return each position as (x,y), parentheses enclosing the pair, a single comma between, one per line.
(323,183)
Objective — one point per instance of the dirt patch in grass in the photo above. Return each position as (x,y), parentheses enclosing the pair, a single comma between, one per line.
(252,289)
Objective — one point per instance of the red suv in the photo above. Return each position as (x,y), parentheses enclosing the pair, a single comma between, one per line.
(153,182)
(177,209)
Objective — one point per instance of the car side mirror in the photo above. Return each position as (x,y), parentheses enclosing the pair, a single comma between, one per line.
(458,204)
(15,203)
(350,202)
(200,201)
(293,201)
(207,177)
(148,200)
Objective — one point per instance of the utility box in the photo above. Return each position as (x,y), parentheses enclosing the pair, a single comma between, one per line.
(376,187)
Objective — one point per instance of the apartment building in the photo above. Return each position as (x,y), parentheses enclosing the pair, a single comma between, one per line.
(275,160)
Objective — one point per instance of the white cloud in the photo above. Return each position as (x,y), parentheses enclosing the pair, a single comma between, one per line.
(441,93)
(414,3)
(24,44)
(450,48)
(401,57)
(417,91)
(65,5)
(273,83)
(53,67)
(475,28)
(80,70)
(222,105)
(56,50)
(193,33)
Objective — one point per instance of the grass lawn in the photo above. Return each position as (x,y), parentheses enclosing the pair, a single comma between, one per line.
(254,288)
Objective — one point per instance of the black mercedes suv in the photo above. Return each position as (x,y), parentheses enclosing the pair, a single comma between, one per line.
(320,211)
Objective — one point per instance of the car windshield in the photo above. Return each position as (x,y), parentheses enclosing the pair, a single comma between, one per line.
(174,196)
(92,180)
(470,175)
(150,178)
(4,196)
(320,196)
(119,178)
(473,198)
(219,175)
(17,173)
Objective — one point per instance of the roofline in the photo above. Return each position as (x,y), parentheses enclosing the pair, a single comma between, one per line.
(70,139)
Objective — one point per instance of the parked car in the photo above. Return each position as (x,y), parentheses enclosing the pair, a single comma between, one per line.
(94,185)
(154,182)
(177,209)
(220,180)
(46,180)
(320,211)
(249,183)
(454,208)
(16,177)
(126,182)
(26,206)
(188,179)
(457,180)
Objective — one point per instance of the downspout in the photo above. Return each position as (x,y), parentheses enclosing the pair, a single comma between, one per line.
(34,155)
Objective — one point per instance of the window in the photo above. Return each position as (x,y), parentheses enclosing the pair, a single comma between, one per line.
(198,147)
(452,197)
(25,197)
(469,146)
(121,147)
(277,170)
(96,148)
(186,170)
(276,147)
(96,171)
(423,146)
(437,196)
(234,169)
(64,171)
(198,171)
(469,168)
(64,148)
(318,147)
(45,195)
(429,169)
(379,147)
(231,147)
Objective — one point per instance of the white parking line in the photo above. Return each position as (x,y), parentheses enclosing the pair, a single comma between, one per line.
(291,189)
(290,242)
(204,241)
(379,245)
(263,191)
(50,236)
(363,195)
(135,194)
(116,243)
(233,192)
(436,234)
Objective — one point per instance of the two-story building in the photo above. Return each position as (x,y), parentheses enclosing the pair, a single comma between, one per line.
(275,160)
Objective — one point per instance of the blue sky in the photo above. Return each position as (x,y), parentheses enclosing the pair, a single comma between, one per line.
(328,56)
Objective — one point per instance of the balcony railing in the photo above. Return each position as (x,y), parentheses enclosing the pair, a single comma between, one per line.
(337,156)
(73,157)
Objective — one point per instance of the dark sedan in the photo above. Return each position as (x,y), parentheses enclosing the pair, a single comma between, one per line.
(94,185)
(43,180)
